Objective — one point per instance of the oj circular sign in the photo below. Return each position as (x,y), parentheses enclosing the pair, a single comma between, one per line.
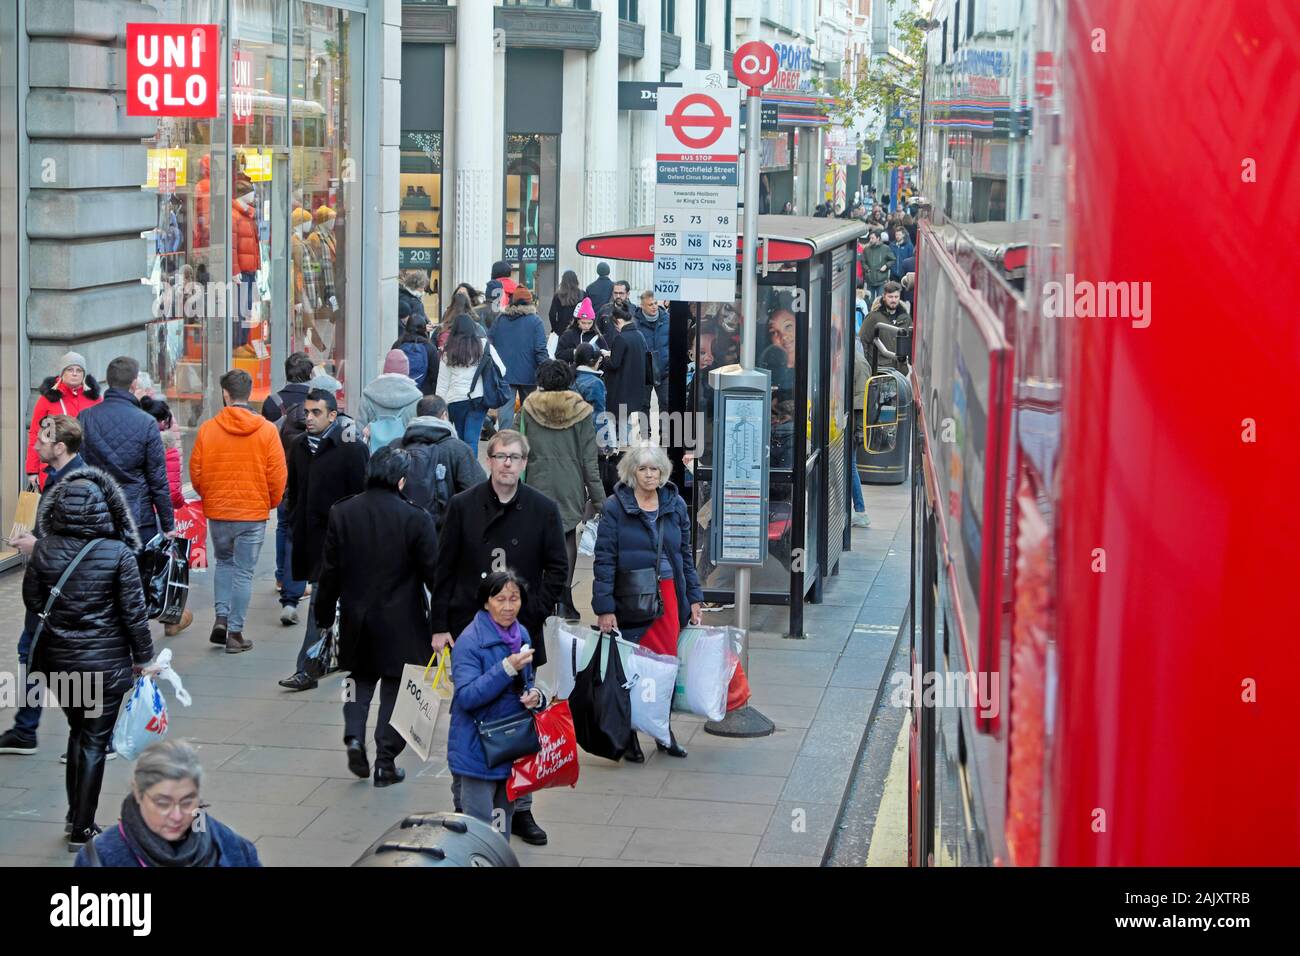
(754,64)
(713,121)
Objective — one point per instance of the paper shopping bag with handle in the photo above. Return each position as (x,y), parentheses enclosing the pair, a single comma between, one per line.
(419,702)
(25,513)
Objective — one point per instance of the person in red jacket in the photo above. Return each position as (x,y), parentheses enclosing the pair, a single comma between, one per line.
(68,393)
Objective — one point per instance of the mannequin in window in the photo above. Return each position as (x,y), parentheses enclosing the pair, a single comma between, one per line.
(245,255)
(306,280)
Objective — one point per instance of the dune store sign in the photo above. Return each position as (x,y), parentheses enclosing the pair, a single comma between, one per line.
(171,70)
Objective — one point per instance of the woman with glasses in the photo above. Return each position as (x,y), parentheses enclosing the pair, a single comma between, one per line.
(163,820)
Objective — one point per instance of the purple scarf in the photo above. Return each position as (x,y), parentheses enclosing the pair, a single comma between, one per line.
(511,635)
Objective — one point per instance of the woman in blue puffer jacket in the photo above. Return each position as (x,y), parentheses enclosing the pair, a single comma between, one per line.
(492,669)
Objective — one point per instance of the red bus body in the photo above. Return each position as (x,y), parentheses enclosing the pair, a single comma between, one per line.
(1108,537)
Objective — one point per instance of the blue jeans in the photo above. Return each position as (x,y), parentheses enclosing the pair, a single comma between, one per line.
(290,590)
(27,719)
(506,413)
(236,546)
(467,417)
(858,503)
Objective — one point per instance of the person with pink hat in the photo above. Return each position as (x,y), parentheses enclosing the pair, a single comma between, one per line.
(583,331)
(388,402)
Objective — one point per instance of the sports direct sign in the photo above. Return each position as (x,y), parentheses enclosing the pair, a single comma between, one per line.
(698,148)
(172,70)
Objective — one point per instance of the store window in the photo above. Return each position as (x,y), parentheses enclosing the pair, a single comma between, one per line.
(186,251)
(420,223)
(531,210)
(325,211)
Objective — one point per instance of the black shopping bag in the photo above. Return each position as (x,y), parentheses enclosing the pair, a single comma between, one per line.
(601,705)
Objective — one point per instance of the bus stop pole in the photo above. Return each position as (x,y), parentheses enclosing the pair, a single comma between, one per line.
(747,721)
(749,306)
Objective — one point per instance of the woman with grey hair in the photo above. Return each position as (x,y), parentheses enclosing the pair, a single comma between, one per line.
(645,525)
(163,823)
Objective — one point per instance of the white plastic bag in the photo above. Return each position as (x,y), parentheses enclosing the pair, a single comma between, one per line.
(587,541)
(143,717)
(552,343)
(707,663)
(650,682)
(560,642)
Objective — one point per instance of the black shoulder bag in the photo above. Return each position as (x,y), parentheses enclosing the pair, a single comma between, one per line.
(56,591)
(637,600)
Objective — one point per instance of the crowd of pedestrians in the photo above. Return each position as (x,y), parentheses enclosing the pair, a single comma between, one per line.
(385,520)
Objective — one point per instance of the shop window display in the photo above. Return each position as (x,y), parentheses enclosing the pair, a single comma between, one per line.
(420,223)
(531,210)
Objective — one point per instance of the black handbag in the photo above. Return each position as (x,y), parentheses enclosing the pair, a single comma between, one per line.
(637,600)
(601,704)
(165,574)
(507,739)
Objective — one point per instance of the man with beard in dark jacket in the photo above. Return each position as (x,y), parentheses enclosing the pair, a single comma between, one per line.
(441,464)
(326,463)
(890,312)
(380,555)
(499,524)
(122,439)
(96,629)
(620,299)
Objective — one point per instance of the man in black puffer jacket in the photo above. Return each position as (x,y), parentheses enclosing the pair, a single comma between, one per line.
(97,629)
(121,438)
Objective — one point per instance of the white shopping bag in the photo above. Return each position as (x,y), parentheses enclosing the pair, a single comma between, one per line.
(419,702)
(552,343)
(707,663)
(650,682)
(587,542)
(561,639)
(143,717)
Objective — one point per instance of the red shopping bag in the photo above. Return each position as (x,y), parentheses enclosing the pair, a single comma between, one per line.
(738,689)
(193,525)
(556,764)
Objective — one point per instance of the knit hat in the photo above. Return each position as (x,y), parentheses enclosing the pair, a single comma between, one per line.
(323,213)
(70,359)
(395,361)
(583,310)
(521,296)
(299,216)
(602,268)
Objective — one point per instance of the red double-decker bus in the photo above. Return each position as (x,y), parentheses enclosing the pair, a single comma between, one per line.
(1107,391)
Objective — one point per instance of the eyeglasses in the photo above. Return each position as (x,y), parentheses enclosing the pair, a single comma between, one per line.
(503,458)
(164,805)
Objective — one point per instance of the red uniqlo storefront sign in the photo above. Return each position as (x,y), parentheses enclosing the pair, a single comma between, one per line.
(172,69)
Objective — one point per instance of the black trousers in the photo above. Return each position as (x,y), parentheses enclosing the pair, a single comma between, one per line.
(388,742)
(88,739)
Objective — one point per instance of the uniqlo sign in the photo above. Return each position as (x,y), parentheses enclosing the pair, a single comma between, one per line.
(172,69)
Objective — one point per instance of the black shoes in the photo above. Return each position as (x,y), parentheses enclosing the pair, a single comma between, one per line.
(525,827)
(675,749)
(634,754)
(358,762)
(12,742)
(218,635)
(387,776)
(79,838)
(300,681)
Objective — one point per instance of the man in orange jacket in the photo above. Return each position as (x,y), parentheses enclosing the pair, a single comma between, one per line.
(238,468)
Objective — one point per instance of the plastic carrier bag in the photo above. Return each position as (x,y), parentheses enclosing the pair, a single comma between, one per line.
(708,660)
(587,541)
(650,681)
(143,717)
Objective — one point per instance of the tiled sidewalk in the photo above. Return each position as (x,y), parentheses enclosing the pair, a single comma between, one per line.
(275,769)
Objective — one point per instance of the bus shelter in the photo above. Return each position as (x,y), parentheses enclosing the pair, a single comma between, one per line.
(807,270)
